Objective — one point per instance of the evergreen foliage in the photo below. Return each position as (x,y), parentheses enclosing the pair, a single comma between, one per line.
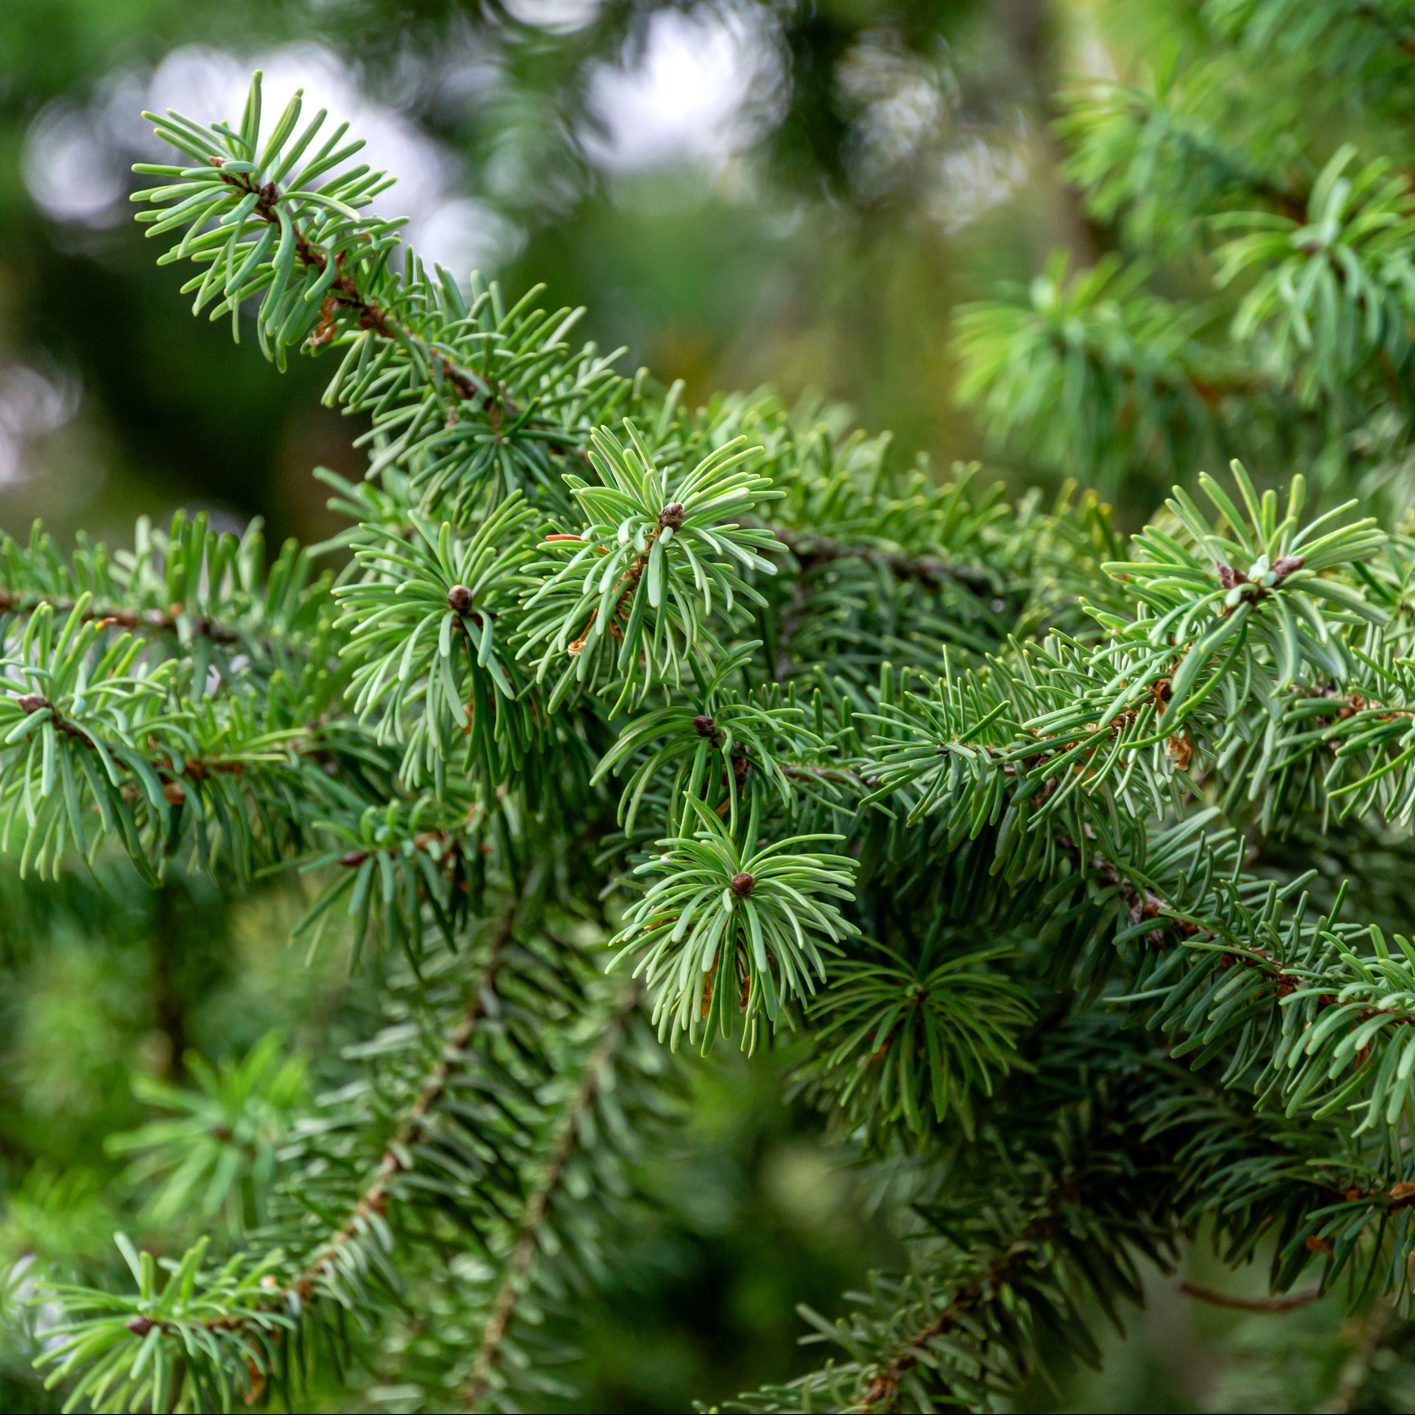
(605,714)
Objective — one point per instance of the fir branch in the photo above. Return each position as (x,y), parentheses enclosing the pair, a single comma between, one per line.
(537,606)
(183,582)
(568,1135)
(290,1299)
(266,1320)
(399,1155)
(172,621)
(881,1388)
(268,219)
(344,298)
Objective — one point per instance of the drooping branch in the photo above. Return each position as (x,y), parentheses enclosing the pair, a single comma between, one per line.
(292,1299)
(565,1140)
(881,1389)
(178,769)
(375,1196)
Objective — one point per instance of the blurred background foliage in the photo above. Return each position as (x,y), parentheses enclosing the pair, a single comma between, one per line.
(738,191)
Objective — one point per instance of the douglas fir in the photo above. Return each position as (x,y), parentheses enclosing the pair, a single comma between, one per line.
(610,729)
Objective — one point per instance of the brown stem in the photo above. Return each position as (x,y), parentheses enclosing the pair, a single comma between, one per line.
(630,582)
(152,621)
(1282,1302)
(194,770)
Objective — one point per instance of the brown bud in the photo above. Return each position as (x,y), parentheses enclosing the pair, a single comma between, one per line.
(268,194)
(140,1326)
(1228,577)
(353,859)
(1284,565)
(459,599)
(31,702)
(742,884)
(704,726)
(173,793)
(671,517)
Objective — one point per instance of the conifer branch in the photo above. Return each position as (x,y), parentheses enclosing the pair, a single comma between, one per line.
(399,1156)
(172,621)
(565,1139)
(344,297)
(541,669)
(881,1389)
(291,1299)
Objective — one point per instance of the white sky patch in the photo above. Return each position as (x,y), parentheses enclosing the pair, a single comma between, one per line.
(907,103)
(464,234)
(76,153)
(698,92)
(974,175)
(32,405)
(554,16)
